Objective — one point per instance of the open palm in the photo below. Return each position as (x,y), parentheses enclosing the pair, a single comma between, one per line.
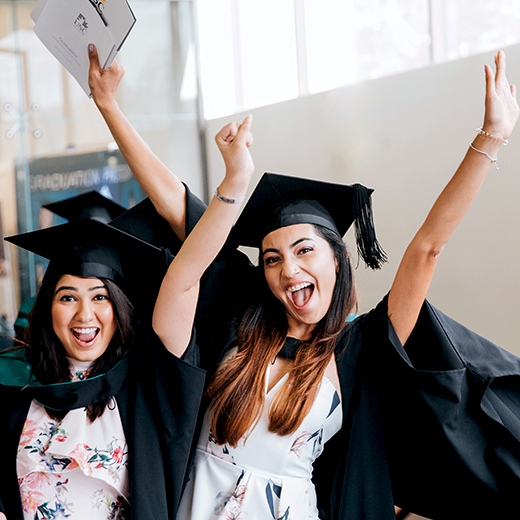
(501,105)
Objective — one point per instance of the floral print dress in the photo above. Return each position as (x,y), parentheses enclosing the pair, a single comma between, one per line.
(72,468)
(266,477)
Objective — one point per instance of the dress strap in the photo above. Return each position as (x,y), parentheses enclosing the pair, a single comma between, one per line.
(267,374)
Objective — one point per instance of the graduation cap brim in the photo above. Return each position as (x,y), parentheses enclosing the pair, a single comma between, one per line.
(88,247)
(143,221)
(274,189)
(87,205)
(282,200)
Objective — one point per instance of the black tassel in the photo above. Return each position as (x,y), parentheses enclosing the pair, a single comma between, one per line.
(367,245)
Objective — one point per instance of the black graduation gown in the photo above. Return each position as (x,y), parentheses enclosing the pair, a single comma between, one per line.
(158,396)
(433,427)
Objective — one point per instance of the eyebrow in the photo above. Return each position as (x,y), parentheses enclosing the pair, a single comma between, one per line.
(294,244)
(70,288)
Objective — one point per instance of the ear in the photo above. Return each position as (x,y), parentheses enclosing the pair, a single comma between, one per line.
(336,261)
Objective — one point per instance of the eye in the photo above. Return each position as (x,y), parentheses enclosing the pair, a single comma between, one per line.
(101,297)
(67,298)
(271,260)
(304,250)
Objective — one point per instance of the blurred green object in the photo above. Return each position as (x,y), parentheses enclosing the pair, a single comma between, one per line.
(22,321)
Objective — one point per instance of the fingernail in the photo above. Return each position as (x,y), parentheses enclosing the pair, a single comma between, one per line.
(90,47)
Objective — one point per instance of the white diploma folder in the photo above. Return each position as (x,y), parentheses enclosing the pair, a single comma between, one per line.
(66,27)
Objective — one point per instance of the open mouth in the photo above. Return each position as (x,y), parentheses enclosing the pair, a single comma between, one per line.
(300,294)
(85,336)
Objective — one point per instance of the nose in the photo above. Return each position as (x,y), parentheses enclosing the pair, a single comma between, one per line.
(290,268)
(85,312)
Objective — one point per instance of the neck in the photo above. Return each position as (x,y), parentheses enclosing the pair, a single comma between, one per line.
(299,330)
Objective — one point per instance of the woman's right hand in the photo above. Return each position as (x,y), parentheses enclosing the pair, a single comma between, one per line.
(176,303)
(103,83)
(233,142)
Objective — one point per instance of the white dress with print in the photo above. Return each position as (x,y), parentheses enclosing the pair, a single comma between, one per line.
(267,477)
(73,468)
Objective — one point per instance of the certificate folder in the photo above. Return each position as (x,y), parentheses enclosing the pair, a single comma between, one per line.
(66,27)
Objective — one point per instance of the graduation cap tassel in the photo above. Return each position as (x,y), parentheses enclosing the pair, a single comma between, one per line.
(367,244)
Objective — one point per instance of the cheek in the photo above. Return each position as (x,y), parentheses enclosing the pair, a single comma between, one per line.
(106,313)
(330,271)
(59,317)
(272,282)
(106,316)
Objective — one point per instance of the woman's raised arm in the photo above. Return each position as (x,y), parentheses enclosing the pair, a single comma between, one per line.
(174,310)
(165,190)
(416,270)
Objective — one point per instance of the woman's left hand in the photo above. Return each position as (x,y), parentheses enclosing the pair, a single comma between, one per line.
(501,104)
(103,83)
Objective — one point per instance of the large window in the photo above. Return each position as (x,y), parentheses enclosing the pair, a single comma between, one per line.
(256,52)
(474,26)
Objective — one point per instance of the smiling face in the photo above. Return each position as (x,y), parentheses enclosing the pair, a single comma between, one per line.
(82,317)
(300,270)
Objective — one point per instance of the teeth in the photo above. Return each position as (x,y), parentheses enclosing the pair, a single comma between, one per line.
(85,331)
(295,288)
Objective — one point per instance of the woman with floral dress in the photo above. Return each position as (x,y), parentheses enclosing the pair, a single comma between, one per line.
(97,415)
(295,372)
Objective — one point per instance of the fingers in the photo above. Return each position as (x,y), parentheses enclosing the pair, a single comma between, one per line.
(500,62)
(93,57)
(236,134)
(95,67)
(227,134)
(490,81)
(244,134)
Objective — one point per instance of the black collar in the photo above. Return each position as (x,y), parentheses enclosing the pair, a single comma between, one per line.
(290,348)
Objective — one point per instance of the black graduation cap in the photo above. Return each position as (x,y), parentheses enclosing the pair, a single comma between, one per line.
(88,247)
(144,222)
(87,205)
(282,200)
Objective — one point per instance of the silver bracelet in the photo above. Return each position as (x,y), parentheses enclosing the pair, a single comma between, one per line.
(227,200)
(494,161)
(491,136)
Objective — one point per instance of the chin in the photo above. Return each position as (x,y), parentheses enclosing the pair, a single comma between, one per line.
(85,355)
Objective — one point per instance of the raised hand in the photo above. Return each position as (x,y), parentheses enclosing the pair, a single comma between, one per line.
(233,142)
(420,259)
(501,104)
(103,83)
(175,306)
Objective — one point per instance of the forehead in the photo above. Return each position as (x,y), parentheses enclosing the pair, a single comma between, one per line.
(78,282)
(287,235)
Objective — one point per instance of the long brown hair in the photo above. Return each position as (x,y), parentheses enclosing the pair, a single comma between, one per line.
(46,353)
(238,387)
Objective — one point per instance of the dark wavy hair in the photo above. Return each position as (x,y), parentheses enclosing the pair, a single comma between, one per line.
(237,389)
(46,353)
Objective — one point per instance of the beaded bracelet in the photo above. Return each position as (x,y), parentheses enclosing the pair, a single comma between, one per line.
(491,136)
(227,200)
